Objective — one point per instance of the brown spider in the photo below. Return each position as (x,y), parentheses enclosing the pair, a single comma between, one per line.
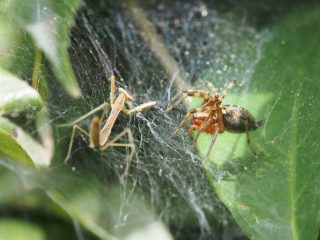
(212,117)
(99,137)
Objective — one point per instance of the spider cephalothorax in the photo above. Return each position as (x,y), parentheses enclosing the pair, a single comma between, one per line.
(212,117)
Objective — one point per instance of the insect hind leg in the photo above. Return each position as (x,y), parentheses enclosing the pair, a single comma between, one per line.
(130,144)
(74,129)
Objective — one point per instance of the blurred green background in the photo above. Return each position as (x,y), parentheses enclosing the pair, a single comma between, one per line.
(51,74)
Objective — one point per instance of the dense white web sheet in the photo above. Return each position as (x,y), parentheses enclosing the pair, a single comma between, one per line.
(166,170)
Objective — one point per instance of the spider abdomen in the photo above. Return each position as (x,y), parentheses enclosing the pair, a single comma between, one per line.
(238,120)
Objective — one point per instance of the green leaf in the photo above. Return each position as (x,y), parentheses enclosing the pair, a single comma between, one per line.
(98,207)
(276,194)
(49,23)
(12,148)
(16,95)
(79,214)
(19,145)
(9,38)
(20,230)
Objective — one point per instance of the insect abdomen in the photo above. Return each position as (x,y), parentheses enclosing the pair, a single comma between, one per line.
(94,132)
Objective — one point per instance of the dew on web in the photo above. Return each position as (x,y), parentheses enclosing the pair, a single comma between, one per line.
(167,171)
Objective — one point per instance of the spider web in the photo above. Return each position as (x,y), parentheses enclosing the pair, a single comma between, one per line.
(166,172)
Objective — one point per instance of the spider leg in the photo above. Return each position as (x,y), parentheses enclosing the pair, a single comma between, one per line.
(206,83)
(184,121)
(210,86)
(193,127)
(248,139)
(130,144)
(228,89)
(173,99)
(198,93)
(196,138)
(212,142)
(74,129)
(139,108)
(205,124)
(190,93)
(206,104)
(183,96)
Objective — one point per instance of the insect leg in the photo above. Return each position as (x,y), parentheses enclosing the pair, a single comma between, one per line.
(102,106)
(130,144)
(112,89)
(74,129)
(139,108)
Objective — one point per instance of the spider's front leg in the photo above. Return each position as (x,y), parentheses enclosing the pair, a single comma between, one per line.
(188,116)
(189,93)
(204,126)
(210,86)
(173,102)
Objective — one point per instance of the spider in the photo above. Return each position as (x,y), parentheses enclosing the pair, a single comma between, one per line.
(214,118)
(99,137)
